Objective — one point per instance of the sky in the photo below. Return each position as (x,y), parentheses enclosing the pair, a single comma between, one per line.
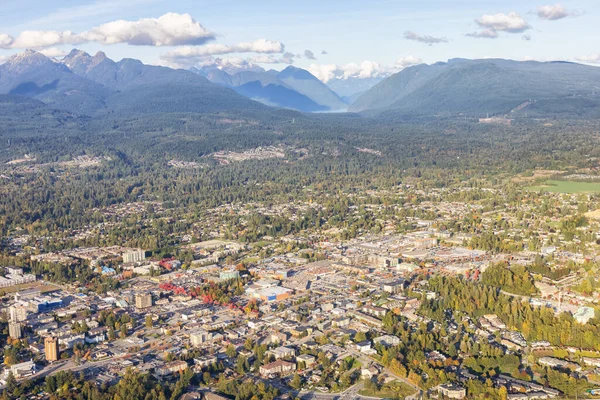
(330,38)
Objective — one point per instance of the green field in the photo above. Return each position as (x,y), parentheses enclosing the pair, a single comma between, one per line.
(566,187)
(393,390)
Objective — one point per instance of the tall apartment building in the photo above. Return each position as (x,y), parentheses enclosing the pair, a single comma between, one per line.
(134,256)
(18,313)
(51,348)
(15,330)
(143,300)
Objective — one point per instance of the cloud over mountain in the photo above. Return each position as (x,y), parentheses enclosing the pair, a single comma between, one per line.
(591,59)
(191,55)
(491,24)
(170,29)
(366,69)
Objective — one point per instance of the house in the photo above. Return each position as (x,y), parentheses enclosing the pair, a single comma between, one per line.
(369,373)
(594,362)
(96,335)
(277,367)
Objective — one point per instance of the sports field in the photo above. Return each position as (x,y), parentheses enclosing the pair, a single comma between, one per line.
(566,187)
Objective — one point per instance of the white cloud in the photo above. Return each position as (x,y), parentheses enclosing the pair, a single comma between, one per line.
(430,40)
(192,55)
(511,22)
(258,46)
(285,58)
(492,24)
(404,62)
(6,41)
(591,59)
(554,12)
(484,34)
(309,54)
(229,64)
(41,39)
(53,52)
(366,69)
(168,30)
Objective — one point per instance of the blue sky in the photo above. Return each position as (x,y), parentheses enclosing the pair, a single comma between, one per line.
(389,34)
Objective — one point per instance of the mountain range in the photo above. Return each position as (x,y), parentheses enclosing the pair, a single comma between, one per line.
(484,87)
(90,85)
(96,85)
(293,88)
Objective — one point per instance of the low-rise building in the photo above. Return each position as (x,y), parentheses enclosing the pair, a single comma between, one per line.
(21,370)
(278,367)
(172,368)
(453,390)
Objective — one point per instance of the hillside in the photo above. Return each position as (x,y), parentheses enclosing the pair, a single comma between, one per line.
(480,87)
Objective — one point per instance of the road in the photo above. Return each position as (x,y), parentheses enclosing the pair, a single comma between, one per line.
(349,394)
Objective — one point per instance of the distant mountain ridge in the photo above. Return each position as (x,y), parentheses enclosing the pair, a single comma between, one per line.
(88,85)
(293,88)
(480,87)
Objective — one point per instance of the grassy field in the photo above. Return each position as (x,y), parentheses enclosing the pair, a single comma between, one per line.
(392,390)
(44,288)
(566,187)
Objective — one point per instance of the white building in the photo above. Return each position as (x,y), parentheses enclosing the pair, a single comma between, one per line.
(21,370)
(134,256)
(584,314)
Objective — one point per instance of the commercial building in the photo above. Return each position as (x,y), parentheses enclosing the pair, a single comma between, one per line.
(228,274)
(41,304)
(21,370)
(51,349)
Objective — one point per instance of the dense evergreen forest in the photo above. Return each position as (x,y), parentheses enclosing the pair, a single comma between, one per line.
(336,152)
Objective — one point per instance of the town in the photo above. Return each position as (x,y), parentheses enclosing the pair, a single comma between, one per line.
(337,310)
